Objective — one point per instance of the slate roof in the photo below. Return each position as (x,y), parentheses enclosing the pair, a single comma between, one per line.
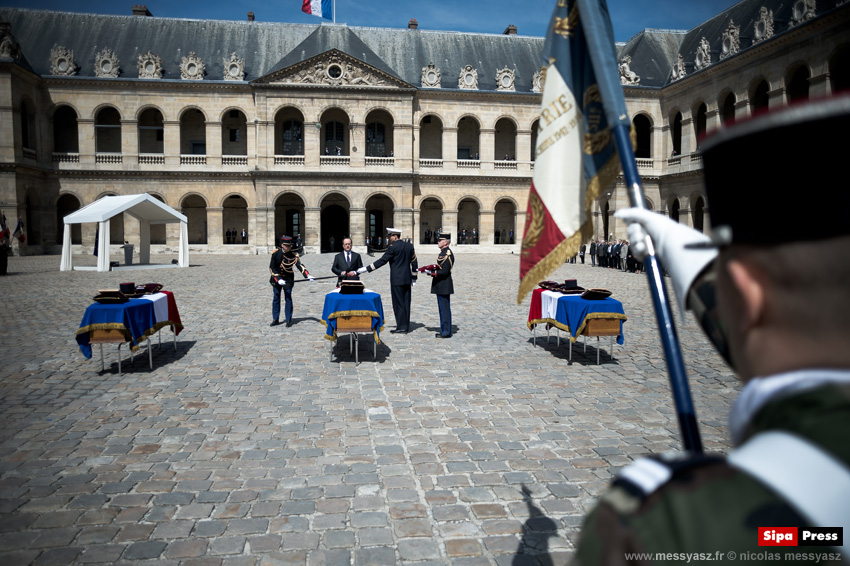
(269,47)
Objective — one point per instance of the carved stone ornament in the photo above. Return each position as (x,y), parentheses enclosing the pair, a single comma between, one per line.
(505,80)
(538,80)
(763,27)
(803,11)
(336,70)
(62,62)
(9,48)
(627,76)
(468,78)
(150,66)
(731,40)
(192,68)
(678,71)
(431,76)
(106,64)
(703,58)
(234,68)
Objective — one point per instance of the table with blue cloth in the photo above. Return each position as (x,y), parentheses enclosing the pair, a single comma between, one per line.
(572,313)
(134,321)
(338,305)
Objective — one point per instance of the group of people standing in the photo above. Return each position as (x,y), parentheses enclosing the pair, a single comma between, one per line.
(348,265)
(232,236)
(613,254)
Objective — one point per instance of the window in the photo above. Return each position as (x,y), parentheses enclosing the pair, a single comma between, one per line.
(234,135)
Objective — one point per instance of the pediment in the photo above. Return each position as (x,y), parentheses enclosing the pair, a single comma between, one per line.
(333,69)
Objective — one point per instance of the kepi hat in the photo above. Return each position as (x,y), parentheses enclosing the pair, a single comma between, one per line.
(444,236)
(796,148)
(391,231)
(287,240)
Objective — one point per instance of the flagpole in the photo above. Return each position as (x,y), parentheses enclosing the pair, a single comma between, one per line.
(596,25)
(663,314)
(334,11)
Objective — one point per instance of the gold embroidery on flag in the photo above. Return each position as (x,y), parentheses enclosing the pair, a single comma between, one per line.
(565,26)
(535,223)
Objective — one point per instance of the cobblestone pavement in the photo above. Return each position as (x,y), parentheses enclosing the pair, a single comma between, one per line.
(248,446)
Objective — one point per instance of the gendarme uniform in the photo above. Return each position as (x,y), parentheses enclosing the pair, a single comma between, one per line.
(402,259)
(282,268)
(791,430)
(443,286)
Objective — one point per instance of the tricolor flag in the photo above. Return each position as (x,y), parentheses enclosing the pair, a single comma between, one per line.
(321,8)
(576,157)
(19,231)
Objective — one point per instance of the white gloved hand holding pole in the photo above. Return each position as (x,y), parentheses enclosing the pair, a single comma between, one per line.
(669,238)
(361,270)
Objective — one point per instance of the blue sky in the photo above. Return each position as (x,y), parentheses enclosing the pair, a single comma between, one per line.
(492,16)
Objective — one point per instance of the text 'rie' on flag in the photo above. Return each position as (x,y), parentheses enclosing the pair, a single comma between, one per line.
(575,157)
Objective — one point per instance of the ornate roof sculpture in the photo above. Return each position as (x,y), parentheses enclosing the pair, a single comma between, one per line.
(62,62)
(731,40)
(538,80)
(505,80)
(468,78)
(150,66)
(802,11)
(763,27)
(431,76)
(106,64)
(332,69)
(9,48)
(678,71)
(234,68)
(703,56)
(627,76)
(192,68)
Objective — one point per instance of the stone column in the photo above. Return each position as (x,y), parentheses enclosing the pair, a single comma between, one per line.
(487,148)
(712,118)
(450,223)
(312,145)
(213,144)
(405,150)
(486,227)
(417,229)
(819,86)
(171,143)
(523,150)
(742,109)
(357,145)
(414,147)
(357,225)
(215,233)
(85,129)
(776,98)
(688,136)
(312,229)
(252,131)
(450,149)
(130,143)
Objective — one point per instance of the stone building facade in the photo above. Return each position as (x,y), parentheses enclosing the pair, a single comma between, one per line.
(328,130)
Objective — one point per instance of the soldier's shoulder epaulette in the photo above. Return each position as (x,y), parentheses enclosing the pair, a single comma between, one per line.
(644,477)
(448,251)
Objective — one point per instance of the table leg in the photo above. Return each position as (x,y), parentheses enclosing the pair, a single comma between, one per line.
(356,348)
(150,351)
(119,357)
(598,347)
(102,365)
(558,334)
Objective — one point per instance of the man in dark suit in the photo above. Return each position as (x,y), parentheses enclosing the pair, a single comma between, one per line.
(442,284)
(346,263)
(402,259)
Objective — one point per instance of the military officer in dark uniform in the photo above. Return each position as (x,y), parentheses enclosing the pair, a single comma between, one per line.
(769,297)
(282,267)
(402,259)
(442,285)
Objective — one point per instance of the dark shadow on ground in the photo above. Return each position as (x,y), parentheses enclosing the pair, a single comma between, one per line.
(533,548)
(161,355)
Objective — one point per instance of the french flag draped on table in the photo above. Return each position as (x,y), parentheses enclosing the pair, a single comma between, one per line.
(576,157)
(321,8)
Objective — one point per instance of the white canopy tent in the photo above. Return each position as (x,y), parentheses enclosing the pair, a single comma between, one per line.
(145,208)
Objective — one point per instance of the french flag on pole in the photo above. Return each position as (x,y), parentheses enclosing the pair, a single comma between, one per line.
(321,8)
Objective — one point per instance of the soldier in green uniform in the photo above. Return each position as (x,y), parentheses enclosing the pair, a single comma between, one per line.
(442,285)
(282,267)
(782,319)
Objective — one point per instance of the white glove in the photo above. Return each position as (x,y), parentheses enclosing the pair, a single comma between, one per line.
(362,270)
(413,284)
(669,237)
(281,281)
(311,278)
